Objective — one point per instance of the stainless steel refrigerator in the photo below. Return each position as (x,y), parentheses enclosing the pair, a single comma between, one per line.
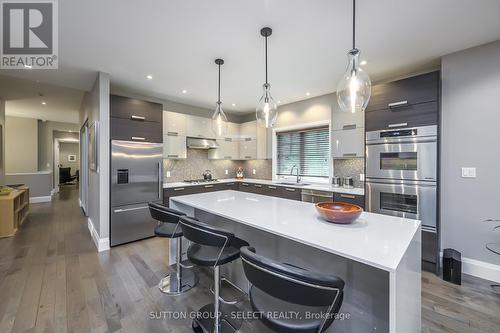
(136,180)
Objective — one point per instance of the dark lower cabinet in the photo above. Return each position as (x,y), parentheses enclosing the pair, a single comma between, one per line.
(246,187)
(291,193)
(178,191)
(227,186)
(350,198)
(132,130)
(430,251)
(272,191)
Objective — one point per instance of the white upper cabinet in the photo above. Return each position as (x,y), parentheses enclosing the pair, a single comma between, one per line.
(348,143)
(174,123)
(253,141)
(228,150)
(346,120)
(199,127)
(174,146)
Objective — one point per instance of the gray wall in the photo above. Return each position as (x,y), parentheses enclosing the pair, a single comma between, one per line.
(470,138)
(95,107)
(66,149)
(46,136)
(2,142)
(21,144)
(40,183)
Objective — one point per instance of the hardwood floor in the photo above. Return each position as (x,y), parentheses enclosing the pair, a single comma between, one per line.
(53,280)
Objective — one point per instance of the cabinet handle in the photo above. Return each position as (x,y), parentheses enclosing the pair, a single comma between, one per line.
(173,155)
(138,138)
(257,185)
(134,117)
(248,156)
(244,184)
(248,139)
(349,127)
(228,157)
(129,209)
(350,155)
(179,189)
(397,104)
(272,187)
(290,189)
(208,186)
(229,184)
(172,133)
(347,196)
(228,139)
(397,125)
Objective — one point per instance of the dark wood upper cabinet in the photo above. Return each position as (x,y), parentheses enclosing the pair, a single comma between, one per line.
(414,115)
(135,109)
(140,131)
(403,93)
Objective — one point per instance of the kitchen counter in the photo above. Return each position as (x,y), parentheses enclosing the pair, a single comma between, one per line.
(319,187)
(378,256)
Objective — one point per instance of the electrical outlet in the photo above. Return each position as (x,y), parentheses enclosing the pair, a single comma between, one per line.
(226,172)
(361,177)
(168,174)
(468,172)
(254,171)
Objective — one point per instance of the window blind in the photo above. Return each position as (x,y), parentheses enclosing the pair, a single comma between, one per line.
(308,149)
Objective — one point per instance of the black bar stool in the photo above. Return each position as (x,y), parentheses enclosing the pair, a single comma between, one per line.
(279,287)
(214,247)
(168,227)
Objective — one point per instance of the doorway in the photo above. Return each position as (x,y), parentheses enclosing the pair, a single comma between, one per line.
(66,161)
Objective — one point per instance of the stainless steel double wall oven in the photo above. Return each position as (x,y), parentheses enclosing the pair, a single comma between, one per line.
(401,173)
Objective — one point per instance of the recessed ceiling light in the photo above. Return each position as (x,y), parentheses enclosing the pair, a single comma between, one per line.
(279,102)
(184,91)
(234,104)
(308,93)
(363,62)
(28,66)
(44,103)
(149,77)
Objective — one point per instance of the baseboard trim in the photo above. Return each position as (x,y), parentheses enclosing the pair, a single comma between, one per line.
(480,269)
(102,244)
(47,198)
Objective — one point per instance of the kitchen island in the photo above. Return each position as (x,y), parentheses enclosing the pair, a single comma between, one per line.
(377,256)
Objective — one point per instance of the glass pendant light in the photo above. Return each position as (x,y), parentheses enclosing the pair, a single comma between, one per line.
(267,110)
(354,88)
(219,119)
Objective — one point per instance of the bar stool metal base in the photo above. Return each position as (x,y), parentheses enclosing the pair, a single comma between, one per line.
(170,284)
(205,321)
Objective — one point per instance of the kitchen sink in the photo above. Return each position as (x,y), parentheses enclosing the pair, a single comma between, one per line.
(293,184)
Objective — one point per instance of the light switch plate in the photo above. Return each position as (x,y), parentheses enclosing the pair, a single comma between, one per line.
(226,172)
(254,171)
(168,174)
(361,177)
(468,172)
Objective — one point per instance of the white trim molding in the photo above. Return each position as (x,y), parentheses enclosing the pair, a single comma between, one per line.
(481,269)
(47,198)
(102,244)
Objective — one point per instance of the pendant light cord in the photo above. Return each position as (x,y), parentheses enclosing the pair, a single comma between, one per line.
(266,60)
(353,24)
(218,100)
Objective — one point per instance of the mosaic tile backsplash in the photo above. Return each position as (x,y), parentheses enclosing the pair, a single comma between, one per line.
(350,167)
(197,162)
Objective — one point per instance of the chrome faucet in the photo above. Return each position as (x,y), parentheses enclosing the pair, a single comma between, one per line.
(298,172)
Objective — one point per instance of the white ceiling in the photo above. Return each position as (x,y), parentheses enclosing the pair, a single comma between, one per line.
(23,100)
(176,41)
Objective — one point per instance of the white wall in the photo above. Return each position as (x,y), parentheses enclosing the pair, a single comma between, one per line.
(307,111)
(21,144)
(95,107)
(470,138)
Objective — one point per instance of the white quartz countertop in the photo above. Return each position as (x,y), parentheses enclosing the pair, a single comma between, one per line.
(320,187)
(376,240)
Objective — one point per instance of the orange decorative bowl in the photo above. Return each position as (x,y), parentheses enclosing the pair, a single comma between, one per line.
(339,212)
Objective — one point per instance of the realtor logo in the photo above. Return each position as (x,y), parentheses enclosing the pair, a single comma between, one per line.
(29,34)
